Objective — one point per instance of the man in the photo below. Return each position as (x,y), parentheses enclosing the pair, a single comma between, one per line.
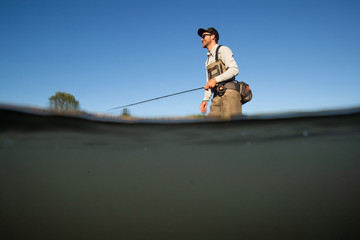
(220,81)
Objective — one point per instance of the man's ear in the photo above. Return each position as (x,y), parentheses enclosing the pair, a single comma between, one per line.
(213,37)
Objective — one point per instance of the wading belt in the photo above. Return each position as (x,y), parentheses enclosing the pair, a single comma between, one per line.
(221,87)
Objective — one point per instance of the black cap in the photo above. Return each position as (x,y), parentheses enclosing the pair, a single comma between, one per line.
(209,30)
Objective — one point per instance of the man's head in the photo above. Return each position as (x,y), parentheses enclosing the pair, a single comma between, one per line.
(208,36)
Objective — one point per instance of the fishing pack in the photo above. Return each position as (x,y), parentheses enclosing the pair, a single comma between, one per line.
(218,67)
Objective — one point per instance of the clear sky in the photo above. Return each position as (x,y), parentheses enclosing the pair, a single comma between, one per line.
(296,55)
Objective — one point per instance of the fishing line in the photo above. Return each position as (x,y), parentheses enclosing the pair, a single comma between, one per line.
(153,99)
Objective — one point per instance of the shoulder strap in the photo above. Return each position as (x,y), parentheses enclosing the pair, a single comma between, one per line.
(216,53)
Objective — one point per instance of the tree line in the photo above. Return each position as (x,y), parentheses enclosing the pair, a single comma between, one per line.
(62,101)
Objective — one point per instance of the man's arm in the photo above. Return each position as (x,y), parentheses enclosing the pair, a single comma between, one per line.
(208,92)
(226,55)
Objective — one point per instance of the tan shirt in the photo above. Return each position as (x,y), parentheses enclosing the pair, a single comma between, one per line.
(226,55)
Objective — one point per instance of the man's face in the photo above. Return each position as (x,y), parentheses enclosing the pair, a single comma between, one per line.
(206,39)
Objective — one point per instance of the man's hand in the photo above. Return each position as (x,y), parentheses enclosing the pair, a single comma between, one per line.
(210,84)
(203,106)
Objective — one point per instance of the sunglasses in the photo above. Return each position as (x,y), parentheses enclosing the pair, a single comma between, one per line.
(205,34)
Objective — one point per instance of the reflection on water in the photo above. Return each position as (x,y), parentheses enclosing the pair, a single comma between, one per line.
(294,177)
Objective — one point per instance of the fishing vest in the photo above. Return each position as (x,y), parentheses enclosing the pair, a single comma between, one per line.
(216,68)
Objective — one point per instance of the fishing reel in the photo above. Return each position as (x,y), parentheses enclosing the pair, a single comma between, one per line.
(220,89)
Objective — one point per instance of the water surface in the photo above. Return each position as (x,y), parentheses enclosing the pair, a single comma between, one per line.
(290,176)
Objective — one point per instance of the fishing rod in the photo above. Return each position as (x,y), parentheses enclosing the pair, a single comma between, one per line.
(157,98)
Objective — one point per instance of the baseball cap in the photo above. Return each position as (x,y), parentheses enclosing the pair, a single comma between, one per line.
(209,30)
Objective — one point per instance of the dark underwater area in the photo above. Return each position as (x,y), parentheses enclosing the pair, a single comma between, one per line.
(82,176)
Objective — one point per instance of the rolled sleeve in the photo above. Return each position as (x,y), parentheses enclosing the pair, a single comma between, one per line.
(207,95)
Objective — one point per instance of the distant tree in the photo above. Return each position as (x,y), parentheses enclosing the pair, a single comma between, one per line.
(126,112)
(63,101)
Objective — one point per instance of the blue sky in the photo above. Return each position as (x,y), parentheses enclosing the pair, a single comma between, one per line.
(297,55)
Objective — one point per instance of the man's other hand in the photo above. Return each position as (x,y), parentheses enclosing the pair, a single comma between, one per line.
(203,106)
